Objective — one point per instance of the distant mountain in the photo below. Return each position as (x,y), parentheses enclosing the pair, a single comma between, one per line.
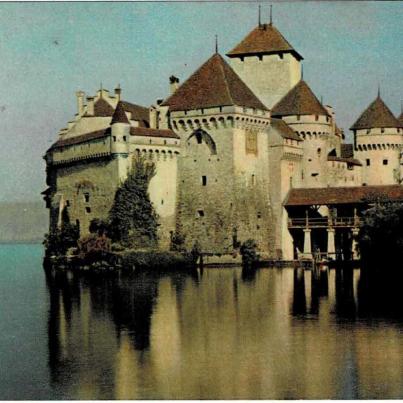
(23,222)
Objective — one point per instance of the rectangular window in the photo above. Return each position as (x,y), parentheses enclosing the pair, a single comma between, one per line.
(114,138)
(368,162)
(67,203)
(385,162)
(87,197)
(200,213)
(88,209)
(124,138)
(204,180)
(253,180)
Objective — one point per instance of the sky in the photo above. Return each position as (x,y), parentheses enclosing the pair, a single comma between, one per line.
(48,51)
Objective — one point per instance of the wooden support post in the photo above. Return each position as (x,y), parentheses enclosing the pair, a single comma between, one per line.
(355,252)
(331,244)
(307,244)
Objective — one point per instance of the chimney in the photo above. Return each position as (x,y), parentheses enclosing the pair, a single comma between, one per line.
(173,84)
(90,106)
(80,102)
(118,92)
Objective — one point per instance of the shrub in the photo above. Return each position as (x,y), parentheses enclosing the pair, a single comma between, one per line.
(249,254)
(94,247)
(178,242)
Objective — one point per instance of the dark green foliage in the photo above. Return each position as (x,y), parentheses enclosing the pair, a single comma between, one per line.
(177,242)
(98,226)
(249,253)
(161,261)
(381,236)
(133,221)
(58,241)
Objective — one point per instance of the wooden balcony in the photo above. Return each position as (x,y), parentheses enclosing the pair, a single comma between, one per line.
(324,222)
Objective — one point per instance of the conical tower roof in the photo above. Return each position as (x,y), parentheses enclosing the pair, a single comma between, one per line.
(265,39)
(300,100)
(376,115)
(213,84)
(119,116)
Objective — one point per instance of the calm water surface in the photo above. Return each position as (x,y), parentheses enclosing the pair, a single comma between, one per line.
(220,333)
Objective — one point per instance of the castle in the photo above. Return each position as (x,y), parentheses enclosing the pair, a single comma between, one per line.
(243,149)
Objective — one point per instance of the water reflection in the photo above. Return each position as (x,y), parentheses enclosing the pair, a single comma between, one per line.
(218,333)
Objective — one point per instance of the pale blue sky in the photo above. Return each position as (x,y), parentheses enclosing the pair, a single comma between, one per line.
(49,50)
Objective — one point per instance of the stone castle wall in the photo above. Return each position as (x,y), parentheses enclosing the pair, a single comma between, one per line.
(223,188)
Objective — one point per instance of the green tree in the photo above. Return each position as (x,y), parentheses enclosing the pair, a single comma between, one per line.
(133,221)
(59,240)
(381,236)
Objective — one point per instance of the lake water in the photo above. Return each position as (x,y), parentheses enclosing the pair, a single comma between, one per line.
(215,334)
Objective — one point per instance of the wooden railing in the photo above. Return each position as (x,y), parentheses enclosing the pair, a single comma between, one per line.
(324,222)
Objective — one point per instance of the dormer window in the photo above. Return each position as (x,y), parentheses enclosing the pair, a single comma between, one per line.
(382,130)
(317,117)
(298,117)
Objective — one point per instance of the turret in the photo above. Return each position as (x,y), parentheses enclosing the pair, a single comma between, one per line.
(120,131)
(267,63)
(304,113)
(378,141)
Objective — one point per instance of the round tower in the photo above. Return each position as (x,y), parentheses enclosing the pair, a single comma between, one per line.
(378,142)
(303,112)
(120,132)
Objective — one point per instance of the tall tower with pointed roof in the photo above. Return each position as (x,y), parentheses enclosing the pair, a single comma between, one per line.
(267,63)
(378,141)
(223,169)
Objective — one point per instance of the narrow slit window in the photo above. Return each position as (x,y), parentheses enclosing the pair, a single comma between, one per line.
(204,180)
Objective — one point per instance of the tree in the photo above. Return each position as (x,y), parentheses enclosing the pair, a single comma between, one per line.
(59,240)
(133,221)
(381,236)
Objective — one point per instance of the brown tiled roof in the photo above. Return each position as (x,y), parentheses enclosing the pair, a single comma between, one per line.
(81,139)
(142,131)
(119,116)
(347,150)
(376,115)
(213,84)
(350,161)
(284,130)
(99,134)
(342,195)
(300,100)
(400,119)
(139,113)
(102,108)
(264,39)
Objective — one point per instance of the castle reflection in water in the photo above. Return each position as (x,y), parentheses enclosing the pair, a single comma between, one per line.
(220,333)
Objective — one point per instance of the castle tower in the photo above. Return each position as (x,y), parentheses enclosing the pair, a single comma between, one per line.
(120,132)
(267,63)
(303,112)
(223,169)
(378,142)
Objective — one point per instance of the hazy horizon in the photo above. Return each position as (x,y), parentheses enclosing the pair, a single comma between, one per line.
(50,50)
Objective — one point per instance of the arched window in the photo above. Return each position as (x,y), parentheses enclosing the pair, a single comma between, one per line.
(203,137)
